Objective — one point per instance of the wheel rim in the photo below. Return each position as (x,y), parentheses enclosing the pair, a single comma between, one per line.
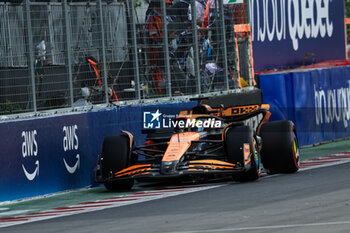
(256,155)
(296,149)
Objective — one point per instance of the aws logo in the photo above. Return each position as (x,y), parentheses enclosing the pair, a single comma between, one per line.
(30,149)
(71,143)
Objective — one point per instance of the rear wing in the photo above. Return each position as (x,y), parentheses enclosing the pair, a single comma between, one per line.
(229,112)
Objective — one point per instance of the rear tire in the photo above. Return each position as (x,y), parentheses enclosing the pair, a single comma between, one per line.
(115,157)
(236,137)
(280,147)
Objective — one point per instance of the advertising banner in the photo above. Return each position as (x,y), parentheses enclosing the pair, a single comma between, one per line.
(43,156)
(52,154)
(287,32)
(317,101)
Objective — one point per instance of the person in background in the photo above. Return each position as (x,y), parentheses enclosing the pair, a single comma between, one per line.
(154,36)
(233,14)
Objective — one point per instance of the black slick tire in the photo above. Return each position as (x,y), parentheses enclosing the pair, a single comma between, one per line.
(236,138)
(280,147)
(115,157)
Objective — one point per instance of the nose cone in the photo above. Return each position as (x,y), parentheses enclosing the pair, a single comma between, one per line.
(168,168)
(178,145)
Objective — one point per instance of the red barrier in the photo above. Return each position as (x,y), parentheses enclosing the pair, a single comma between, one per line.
(317,65)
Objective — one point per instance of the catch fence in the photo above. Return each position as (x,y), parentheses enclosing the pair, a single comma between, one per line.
(69,54)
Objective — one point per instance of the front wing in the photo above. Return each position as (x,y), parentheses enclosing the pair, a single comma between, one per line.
(195,167)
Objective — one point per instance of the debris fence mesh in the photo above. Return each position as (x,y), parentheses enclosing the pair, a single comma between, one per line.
(66,54)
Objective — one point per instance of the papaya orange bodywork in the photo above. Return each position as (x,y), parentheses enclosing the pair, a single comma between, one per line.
(133,170)
(212,162)
(131,138)
(246,152)
(178,145)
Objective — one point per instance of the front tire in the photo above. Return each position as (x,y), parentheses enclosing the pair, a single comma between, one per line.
(237,138)
(115,157)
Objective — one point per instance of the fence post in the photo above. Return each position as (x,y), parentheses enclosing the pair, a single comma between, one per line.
(250,46)
(247,11)
(224,49)
(31,52)
(166,46)
(134,48)
(196,46)
(102,31)
(67,31)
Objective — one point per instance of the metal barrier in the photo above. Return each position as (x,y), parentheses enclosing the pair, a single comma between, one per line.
(67,54)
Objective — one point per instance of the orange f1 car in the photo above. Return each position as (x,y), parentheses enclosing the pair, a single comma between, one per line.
(205,142)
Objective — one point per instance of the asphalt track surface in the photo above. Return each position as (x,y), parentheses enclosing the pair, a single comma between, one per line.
(312,201)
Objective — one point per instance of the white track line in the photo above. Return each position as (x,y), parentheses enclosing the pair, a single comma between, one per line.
(14,212)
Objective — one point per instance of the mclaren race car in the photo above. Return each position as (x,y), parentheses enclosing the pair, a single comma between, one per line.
(238,142)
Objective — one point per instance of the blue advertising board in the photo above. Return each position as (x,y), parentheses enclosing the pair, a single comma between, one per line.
(317,101)
(51,154)
(39,154)
(285,32)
